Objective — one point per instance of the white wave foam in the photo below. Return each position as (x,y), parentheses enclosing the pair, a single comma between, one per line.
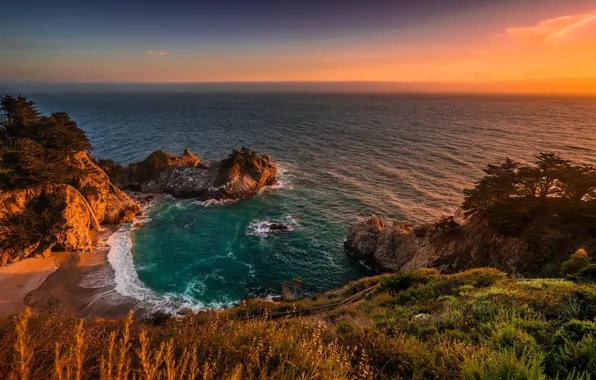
(283,180)
(128,284)
(214,202)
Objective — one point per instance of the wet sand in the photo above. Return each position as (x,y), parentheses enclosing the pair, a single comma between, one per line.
(77,282)
(83,285)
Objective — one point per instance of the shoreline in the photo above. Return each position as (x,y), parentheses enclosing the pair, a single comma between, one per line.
(82,283)
(77,282)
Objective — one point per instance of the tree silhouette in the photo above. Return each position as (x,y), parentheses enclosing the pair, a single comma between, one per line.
(511,195)
(577,182)
(550,167)
(19,110)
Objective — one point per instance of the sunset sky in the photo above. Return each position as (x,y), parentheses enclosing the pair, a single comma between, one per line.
(240,40)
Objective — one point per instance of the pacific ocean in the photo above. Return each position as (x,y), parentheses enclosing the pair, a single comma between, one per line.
(342,157)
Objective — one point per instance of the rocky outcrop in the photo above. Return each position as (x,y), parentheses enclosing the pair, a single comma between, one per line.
(240,175)
(150,169)
(110,204)
(58,216)
(455,245)
(36,220)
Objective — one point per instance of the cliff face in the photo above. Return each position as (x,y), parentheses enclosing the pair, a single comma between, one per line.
(56,216)
(39,219)
(539,250)
(110,204)
(242,174)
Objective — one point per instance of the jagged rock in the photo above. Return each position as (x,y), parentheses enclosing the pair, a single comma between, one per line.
(110,204)
(240,175)
(454,245)
(35,220)
(150,169)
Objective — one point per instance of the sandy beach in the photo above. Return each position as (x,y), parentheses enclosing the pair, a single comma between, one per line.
(20,278)
(78,282)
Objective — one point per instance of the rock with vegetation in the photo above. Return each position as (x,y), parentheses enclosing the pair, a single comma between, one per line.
(150,169)
(521,219)
(240,175)
(110,204)
(36,220)
(52,194)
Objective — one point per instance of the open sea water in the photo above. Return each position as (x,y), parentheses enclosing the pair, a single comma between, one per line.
(342,157)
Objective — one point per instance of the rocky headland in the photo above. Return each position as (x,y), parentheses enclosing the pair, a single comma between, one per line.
(456,244)
(54,196)
(56,216)
(61,216)
(521,219)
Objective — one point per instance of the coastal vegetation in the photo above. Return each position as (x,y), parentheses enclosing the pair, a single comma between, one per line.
(445,322)
(519,218)
(511,195)
(37,148)
(477,324)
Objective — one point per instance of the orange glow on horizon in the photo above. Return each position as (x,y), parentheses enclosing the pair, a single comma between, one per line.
(517,58)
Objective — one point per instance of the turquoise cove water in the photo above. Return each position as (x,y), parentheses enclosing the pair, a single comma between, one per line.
(342,157)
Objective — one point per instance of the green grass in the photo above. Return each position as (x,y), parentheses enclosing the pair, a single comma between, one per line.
(477,324)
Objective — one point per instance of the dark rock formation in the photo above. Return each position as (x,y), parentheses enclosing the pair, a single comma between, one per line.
(240,175)
(150,169)
(457,244)
(279,227)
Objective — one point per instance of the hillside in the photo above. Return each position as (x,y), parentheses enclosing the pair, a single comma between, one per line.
(477,324)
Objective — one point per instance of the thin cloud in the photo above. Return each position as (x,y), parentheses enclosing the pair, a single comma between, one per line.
(155,53)
(328,59)
(552,28)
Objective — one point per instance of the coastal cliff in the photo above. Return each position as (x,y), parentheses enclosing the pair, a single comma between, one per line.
(35,220)
(453,247)
(523,219)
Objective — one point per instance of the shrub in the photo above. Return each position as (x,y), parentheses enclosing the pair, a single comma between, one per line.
(577,261)
(345,327)
(505,365)
(479,277)
(577,356)
(587,274)
(539,330)
(574,331)
(507,335)
(484,311)
(404,280)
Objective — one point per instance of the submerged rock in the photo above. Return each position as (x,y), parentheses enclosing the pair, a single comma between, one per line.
(279,227)
(455,244)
